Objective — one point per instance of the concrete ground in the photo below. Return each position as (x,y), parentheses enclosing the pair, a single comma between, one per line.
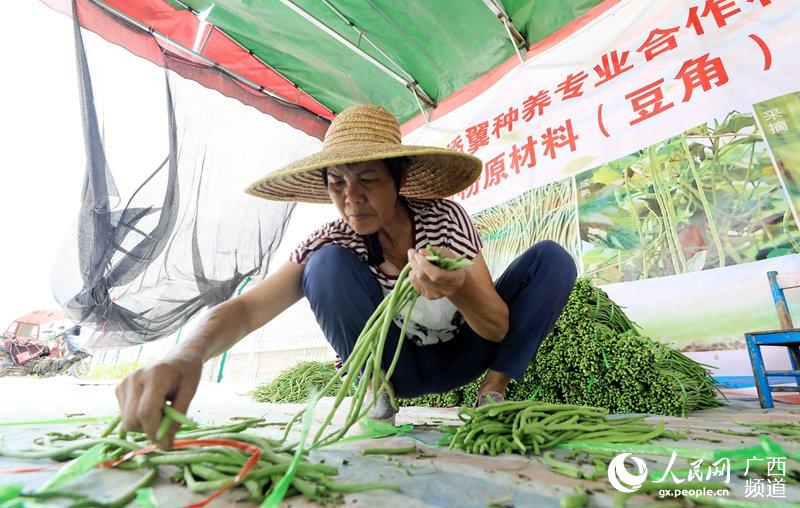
(431,476)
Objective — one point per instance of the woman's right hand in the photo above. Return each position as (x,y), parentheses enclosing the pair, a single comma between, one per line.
(143,394)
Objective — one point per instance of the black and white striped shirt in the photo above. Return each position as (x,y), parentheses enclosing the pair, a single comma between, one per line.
(441,223)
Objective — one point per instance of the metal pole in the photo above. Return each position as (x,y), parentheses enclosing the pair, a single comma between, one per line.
(366,56)
(165,39)
(517,39)
(513,42)
(421,107)
(362,35)
(244,283)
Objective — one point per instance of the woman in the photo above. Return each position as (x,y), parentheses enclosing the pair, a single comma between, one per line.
(391,200)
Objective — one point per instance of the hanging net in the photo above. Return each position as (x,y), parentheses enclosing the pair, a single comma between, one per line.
(165,228)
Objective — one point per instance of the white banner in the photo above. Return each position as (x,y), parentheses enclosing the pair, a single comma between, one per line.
(639,73)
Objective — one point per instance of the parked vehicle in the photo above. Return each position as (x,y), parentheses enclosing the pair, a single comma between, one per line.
(35,344)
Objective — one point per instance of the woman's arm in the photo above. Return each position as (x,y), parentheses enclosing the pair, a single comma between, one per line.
(229,322)
(143,394)
(471,290)
(479,303)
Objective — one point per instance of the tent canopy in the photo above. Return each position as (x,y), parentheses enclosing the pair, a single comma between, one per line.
(325,55)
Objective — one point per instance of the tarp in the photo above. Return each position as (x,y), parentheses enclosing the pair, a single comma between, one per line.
(442,47)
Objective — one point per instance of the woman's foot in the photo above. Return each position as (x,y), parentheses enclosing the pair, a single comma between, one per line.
(493,388)
(383,410)
(489,397)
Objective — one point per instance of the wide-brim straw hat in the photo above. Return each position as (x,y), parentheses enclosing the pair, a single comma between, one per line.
(364,133)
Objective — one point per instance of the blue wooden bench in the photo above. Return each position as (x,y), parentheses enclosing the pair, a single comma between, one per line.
(787,336)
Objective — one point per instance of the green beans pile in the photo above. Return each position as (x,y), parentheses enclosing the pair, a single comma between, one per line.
(533,426)
(363,370)
(462,396)
(292,386)
(446,399)
(595,356)
(202,469)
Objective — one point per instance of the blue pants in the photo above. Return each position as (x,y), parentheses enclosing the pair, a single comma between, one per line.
(343,294)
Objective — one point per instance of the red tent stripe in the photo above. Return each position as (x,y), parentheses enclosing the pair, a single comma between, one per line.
(181,26)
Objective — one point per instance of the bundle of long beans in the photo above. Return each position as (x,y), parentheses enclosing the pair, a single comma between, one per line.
(211,458)
(205,458)
(595,356)
(295,385)
(461,396)
(362,371)
(532,426)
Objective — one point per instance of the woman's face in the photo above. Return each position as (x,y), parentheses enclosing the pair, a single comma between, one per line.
(364,193)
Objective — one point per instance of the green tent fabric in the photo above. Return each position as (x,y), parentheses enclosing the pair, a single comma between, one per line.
(443,45)
(536,19)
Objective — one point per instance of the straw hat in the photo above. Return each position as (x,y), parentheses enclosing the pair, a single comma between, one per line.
(365,133)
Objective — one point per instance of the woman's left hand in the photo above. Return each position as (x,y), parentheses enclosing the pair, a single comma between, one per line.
(431,281)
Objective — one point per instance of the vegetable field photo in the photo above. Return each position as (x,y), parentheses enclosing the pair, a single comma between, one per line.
(706,198)
(542,213)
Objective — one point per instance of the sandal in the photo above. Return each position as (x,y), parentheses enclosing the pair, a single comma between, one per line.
(489,398)
(383,410)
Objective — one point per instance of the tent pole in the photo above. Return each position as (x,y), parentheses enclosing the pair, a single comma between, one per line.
(183,49)
(252,54)
(516,38)
(333,33)
(425,113)
(510,36)
(362,35)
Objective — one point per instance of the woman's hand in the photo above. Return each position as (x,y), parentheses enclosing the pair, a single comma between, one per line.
(431,281)
(143,394)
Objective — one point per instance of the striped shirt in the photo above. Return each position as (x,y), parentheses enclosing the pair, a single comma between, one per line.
(441,223)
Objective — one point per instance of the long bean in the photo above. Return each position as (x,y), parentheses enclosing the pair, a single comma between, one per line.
(203,469)
(62,451)
(295,384)
(366,359)
(516,427)
(211,469)
(562,468)
(595,356)
(578,499)
(123,499)
(390,451)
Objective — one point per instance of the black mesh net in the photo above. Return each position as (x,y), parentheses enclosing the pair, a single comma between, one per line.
(165,228)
